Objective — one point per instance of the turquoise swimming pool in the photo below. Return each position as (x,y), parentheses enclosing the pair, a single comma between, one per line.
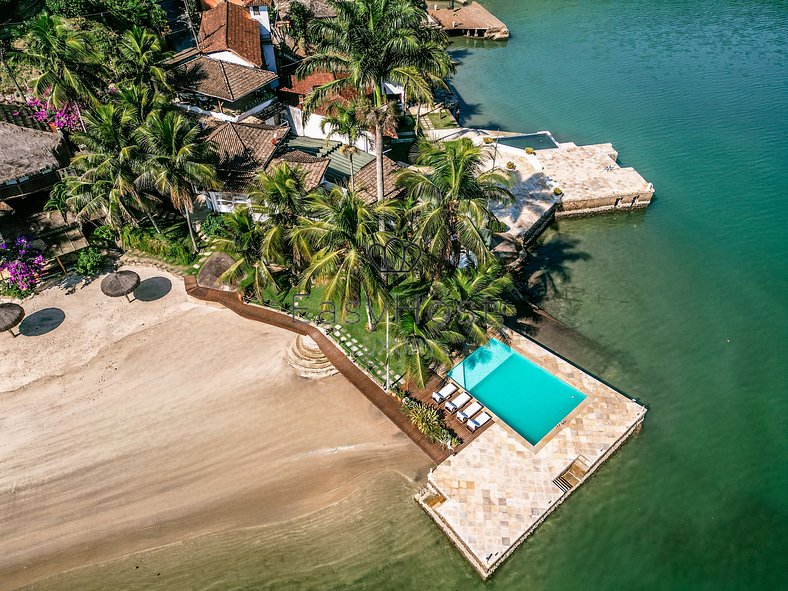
(525,396)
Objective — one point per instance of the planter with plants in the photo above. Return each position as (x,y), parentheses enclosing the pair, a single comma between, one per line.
(510,165)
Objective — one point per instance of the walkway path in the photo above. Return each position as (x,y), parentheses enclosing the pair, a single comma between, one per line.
(388,405)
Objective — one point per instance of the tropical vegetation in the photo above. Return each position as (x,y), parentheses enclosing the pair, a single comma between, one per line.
(370,43)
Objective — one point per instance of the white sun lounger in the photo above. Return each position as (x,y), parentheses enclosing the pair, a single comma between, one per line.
(474,424)
(444,392)
(458,401)
(468,412)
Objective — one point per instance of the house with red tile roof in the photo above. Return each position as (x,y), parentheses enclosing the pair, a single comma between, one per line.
(231,74)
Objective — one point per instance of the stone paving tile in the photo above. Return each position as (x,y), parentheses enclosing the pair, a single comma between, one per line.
(499,486)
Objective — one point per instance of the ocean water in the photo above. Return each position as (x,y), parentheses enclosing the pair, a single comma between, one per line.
(682,306)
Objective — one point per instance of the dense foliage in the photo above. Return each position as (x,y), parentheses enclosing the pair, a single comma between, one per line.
(89,262)
(21,264)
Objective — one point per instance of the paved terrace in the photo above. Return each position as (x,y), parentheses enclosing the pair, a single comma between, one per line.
(592,180)
(491,495)
(589,177)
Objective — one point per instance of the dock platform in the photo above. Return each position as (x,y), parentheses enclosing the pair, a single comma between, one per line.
(495,492)
(471,20)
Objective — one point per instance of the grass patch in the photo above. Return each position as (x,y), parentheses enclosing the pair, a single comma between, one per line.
(366,348)
(441,120)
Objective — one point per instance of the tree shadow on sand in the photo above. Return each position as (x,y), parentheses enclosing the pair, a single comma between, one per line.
(42,322)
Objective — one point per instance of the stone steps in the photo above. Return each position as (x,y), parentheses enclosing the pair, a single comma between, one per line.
(308,361)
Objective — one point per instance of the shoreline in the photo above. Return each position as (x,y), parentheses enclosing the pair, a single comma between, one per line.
(112,456)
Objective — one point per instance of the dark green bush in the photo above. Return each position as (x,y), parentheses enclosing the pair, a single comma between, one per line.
(172,244)
(89,262)
(107,233)
(212,224)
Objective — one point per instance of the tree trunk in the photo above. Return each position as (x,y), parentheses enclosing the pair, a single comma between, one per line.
(352,180)
(379,159)
(418,119)
(152,221)
(368,306)
(191,230)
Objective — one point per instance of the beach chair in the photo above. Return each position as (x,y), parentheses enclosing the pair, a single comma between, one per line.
(444,392)
(459,400)
(474,424)
(467,413)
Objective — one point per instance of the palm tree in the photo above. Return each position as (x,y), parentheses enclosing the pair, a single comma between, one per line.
(177,160)
(108,167)
(140,102)
(422,337)
(474,298)
(369,43)
(418,87)
(335,237)
(454,194)
(347,120)
(282,200)
(242,238)
(64,58)
(384,121)
(140,55)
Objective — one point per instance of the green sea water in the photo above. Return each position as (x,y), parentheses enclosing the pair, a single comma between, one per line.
(683,306)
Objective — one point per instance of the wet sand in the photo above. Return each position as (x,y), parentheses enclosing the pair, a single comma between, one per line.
(132,426)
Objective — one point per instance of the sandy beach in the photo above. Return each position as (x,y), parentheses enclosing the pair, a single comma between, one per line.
(125,427)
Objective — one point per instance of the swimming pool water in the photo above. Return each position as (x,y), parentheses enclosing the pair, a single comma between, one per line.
(537,141)
(524,395)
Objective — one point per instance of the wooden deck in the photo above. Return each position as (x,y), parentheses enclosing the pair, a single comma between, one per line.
(451,420)
(388,405)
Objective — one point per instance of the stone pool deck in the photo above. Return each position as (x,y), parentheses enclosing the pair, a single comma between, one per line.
(493,494)
(590,178)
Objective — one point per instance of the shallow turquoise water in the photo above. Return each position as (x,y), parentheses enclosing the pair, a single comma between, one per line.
(684,307)
(529,399)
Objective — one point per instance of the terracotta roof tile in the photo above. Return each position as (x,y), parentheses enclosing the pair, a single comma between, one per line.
(243,149)
(222,80)
(229,27)
(366,180)
(313,166)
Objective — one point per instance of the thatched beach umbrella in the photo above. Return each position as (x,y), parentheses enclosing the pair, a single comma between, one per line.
(10,316)
(121,283)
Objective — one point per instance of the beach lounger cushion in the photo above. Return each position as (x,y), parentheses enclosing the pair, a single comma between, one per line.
(468,412)
(458,401)
(444,392)
(474,424)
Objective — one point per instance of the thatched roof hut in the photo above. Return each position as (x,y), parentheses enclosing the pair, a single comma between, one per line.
(30,153)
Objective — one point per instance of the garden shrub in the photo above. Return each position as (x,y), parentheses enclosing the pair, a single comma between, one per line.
(428,421)
(171,244)
(89,262)
(529,150)
(21,265)
(106,233)
(212,224)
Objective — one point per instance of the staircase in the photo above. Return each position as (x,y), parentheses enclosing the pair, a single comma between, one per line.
(306,358)
(573,475)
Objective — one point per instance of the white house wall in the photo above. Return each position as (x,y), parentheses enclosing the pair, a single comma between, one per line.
(312,129)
